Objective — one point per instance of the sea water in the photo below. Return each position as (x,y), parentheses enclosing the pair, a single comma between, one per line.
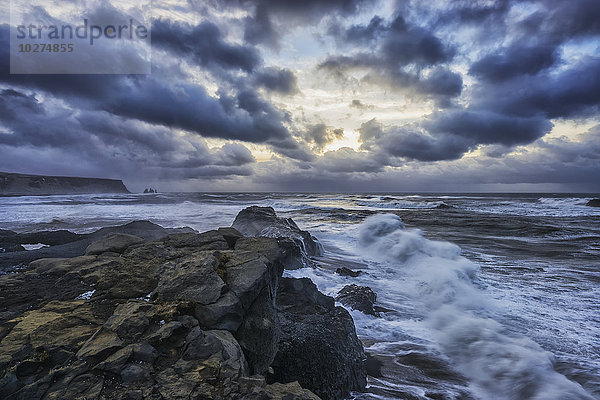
(489,296)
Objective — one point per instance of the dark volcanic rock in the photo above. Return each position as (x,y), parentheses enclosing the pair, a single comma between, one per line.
(187,316)
(68,244)
(593,203)
(115,243)
(343,271)
(318,346)
(9,241)
(133,324)
(359,298)
(373,366)
(51,238)
(262,221)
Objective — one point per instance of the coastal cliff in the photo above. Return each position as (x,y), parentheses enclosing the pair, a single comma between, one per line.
(142,312)
(33,185)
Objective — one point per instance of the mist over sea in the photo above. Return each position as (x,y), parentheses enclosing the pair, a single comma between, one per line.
(491,296)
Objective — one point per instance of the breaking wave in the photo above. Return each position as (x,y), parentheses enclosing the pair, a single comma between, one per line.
(498,364)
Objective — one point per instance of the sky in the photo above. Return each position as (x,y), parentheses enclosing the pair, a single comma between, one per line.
(324,95)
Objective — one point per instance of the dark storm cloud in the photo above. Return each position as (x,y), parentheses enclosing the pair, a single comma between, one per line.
(537,38)
(246,117)
(586,149)
(574,18)
(154,99)
(573,92)
(474,12)
(13,103)
(129,126)
(399,44)
(516,112)
(407,44)
(550,165)
(443,82)
(423,147)
(410,142)
(128,148)
(320,135)
(260,29)
(394,54)
(271,17)
(515,60)
(485,127)
(279,80)
(448,135)
(359,34)
(204,43)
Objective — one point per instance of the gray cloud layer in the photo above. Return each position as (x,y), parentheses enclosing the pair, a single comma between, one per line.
(504,86)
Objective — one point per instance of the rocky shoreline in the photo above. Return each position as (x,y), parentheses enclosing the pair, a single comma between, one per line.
(165,314)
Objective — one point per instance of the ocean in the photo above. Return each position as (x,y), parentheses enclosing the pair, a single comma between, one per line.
(490,296)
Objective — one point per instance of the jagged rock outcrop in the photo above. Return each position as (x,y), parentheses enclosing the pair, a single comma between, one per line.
(318,346)
(361,298)
(593,203)
(68,244)
(9,241)
(343,271)
(184,316)
(35,185)
(262,221)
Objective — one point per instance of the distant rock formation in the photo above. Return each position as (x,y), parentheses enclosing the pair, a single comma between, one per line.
(593,203)
(39,185)
(150,190)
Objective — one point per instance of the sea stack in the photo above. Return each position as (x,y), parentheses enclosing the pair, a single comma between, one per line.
(593,203)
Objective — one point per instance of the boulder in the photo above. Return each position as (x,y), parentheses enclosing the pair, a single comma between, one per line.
(262,221)
(9,241)
(51,238)
(231,235)
(193,278)
(318,345)
(288,391)
(144,229)
(343,271)
(361,298)
(68,244)
(593,203)
(115,243)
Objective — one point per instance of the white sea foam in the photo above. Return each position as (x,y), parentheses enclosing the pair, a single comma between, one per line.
(498,364)
(34,246)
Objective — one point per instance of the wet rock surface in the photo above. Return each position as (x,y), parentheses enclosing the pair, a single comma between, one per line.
(343,271)
(361,298)
(593,203)
(262,221)
(318,345)
(179,316)
(63,243)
